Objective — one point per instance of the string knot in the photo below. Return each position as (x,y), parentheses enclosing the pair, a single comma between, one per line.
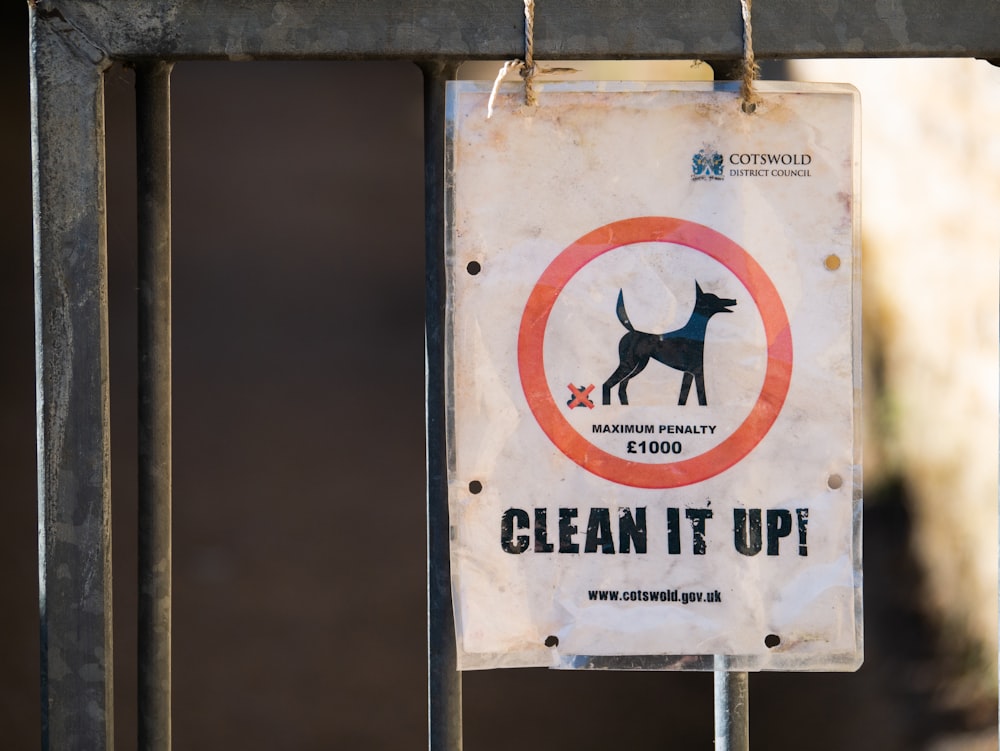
(527,66)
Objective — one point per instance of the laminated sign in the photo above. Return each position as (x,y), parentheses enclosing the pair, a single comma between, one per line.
(653,377)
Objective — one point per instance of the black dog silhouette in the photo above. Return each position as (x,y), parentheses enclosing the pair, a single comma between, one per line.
(683,349)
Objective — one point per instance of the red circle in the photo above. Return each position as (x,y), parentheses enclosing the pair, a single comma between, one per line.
(531,339)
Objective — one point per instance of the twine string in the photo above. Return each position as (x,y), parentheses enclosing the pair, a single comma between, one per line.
(528,68)
(750,73)
(751,70)
(496,84)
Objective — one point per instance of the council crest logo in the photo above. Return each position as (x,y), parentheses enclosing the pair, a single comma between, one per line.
(707,165)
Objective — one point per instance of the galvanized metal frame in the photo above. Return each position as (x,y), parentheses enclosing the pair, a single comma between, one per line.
(73,42)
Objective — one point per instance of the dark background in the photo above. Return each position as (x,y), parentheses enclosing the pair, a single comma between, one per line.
(299,456)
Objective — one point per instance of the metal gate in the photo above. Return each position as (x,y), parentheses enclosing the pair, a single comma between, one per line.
(73,44)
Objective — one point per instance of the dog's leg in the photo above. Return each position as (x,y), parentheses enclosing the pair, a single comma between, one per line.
(685,388)
(699,382)
(626,367)
(619,376)
(606,390)
(622,394)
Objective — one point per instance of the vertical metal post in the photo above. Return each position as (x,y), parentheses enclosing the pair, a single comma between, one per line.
(71,382)
(732,711)
(155,467)
(444,683)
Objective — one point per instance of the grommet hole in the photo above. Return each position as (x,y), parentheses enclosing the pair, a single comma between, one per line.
(475,487)
(771,641)
(551,641)
(834,482)
(832,262)
(474,267)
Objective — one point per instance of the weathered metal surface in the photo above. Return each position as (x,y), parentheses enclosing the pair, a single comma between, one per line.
(444,682)
(74,525)
(732,711)
(155,465)
(239,29)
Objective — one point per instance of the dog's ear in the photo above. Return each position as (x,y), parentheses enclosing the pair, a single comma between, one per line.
(697,288)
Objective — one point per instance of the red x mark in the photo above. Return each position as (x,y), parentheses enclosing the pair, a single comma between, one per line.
(579,398)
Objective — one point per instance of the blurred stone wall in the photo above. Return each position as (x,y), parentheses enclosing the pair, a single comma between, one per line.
(931,227)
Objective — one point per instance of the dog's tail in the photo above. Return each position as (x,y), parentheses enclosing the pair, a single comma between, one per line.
(622,315)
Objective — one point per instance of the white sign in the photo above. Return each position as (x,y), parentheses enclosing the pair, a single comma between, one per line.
(653,343)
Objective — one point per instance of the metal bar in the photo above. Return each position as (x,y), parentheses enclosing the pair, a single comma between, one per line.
(155,463)
(71,356)
(444,682)
(466,29)
(732,711)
